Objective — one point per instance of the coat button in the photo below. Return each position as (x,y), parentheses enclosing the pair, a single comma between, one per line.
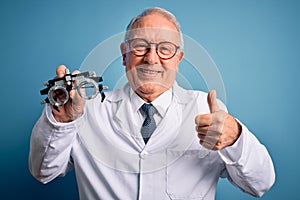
(143,154)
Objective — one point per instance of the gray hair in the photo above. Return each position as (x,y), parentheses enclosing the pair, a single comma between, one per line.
(168,15)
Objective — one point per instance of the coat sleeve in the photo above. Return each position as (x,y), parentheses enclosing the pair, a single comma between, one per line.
(50,147)
(248,164)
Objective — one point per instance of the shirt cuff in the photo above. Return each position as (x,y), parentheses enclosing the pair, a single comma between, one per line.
(232,154)
(57,124)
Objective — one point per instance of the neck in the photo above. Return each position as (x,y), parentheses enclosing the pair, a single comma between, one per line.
(149,97)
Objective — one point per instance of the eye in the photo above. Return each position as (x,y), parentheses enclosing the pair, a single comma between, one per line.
(139,45)
(166,48)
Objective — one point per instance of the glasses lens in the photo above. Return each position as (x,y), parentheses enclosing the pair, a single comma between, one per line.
(58,95)
(166,49)
(139,47)
(88,89)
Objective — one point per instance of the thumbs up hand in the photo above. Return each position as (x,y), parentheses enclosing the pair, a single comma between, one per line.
(217,129)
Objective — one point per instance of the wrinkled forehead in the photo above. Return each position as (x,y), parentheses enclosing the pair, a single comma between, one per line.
(154,34)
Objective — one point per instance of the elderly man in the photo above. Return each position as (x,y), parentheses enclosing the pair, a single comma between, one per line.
(141,141)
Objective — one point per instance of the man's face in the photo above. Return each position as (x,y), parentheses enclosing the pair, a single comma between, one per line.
(151,74)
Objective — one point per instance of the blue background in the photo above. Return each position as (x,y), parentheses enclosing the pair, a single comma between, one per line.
(255,45)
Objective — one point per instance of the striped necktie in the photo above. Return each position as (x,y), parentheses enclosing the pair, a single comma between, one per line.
(149,124)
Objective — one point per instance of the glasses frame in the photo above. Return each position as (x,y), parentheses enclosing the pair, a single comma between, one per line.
(156,48)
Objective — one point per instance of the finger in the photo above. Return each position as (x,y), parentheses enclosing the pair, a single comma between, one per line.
(60,71)
(202,129)
(208,138)
(74,95)
(203,120)
(212,101)
(76,72)
(206,131)
(207,144)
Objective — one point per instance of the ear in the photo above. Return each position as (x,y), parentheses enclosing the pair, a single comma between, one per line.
(123,51)
(179,57)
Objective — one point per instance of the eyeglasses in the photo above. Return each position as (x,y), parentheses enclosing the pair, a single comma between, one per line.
(140,47)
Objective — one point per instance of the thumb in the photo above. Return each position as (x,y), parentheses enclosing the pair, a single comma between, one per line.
(60,71)
(212,101)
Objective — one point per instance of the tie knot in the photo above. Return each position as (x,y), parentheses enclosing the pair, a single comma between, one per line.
(148,109)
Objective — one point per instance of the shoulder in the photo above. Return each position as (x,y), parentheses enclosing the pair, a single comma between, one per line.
(187,96)
(117,94)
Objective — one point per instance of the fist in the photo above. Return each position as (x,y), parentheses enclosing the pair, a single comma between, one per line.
(74,107)
(217,129)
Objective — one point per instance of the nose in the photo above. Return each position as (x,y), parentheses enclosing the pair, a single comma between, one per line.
(151,56)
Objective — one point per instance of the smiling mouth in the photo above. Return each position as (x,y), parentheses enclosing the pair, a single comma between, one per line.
(149,72)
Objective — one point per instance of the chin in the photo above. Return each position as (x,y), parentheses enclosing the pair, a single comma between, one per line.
(149,88)
(152,88)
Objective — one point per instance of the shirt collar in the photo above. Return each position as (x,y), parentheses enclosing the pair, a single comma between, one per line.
(161,103)
(181,95)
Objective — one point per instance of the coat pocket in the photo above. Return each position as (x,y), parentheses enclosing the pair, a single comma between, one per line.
(188,176)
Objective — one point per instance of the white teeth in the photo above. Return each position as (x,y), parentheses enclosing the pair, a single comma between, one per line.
(148,71)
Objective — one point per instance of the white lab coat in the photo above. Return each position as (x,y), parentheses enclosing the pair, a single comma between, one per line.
(111,160)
